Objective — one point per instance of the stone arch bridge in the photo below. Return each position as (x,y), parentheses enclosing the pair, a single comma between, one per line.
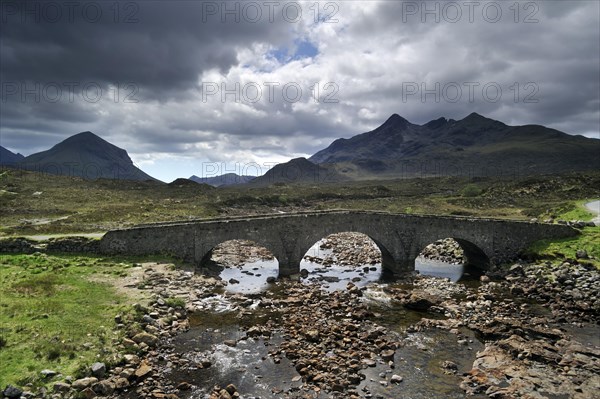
(400,237)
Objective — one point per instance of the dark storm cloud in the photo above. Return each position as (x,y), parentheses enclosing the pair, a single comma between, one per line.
(164,45)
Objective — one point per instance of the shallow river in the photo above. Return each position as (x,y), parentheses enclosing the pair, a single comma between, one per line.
(249,366)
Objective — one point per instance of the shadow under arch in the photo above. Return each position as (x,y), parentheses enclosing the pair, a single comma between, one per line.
(476,261)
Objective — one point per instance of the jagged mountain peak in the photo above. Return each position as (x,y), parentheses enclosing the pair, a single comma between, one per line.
(474,142)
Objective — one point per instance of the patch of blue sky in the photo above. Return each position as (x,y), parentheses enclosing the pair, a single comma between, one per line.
(301,49)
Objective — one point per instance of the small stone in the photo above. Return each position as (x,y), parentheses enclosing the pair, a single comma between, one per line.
(231,389)
(83,383)
(146,338)
(48,373)
(143,370)
(98,370)
(184,386)
(88,393)
(121,383)
(396,379)
(450,366)
(387,355)
(61,387)
(103,388)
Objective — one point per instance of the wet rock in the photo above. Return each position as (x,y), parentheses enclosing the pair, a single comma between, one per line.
(421,301)
(449,367)
(387,355)
(396,379)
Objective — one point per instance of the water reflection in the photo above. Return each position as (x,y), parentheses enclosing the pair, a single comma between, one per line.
(251,277)
(433,268)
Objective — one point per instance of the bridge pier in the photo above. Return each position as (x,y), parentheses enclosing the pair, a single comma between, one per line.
(288,269)
(396,268)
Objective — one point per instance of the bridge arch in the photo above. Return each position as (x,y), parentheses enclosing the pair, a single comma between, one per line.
(388,262)
(343,257)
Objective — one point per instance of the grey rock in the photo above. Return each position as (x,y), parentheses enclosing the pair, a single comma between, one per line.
(83,383)
(48,373)
(61,387)
(12,392)
(98,370)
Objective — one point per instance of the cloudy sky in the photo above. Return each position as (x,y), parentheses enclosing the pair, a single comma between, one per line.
(201,87)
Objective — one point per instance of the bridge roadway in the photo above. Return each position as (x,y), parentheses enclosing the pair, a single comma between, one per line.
(400,237)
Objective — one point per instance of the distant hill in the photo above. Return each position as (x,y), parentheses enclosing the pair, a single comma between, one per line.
(298,170)
(473,146)
(227,179)
(85,155)
(182,183)
(8,157)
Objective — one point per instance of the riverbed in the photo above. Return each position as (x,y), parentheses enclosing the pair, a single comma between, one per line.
(341,331)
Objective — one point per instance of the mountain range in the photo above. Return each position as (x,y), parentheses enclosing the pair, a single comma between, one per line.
(473,146)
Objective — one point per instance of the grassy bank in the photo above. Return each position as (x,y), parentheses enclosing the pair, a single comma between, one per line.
(57,313)
(566,249)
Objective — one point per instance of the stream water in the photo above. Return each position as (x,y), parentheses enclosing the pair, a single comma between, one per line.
(247,364)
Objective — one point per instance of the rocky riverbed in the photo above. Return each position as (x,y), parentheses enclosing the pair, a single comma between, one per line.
(525,331)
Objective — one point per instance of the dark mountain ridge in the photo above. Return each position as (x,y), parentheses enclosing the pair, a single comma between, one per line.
(298,170)
(85,155)
(8,157)
(474,145)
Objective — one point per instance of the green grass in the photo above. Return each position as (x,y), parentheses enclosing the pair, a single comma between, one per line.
(175,302)
(566,248)
(575,210)
(55,314)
